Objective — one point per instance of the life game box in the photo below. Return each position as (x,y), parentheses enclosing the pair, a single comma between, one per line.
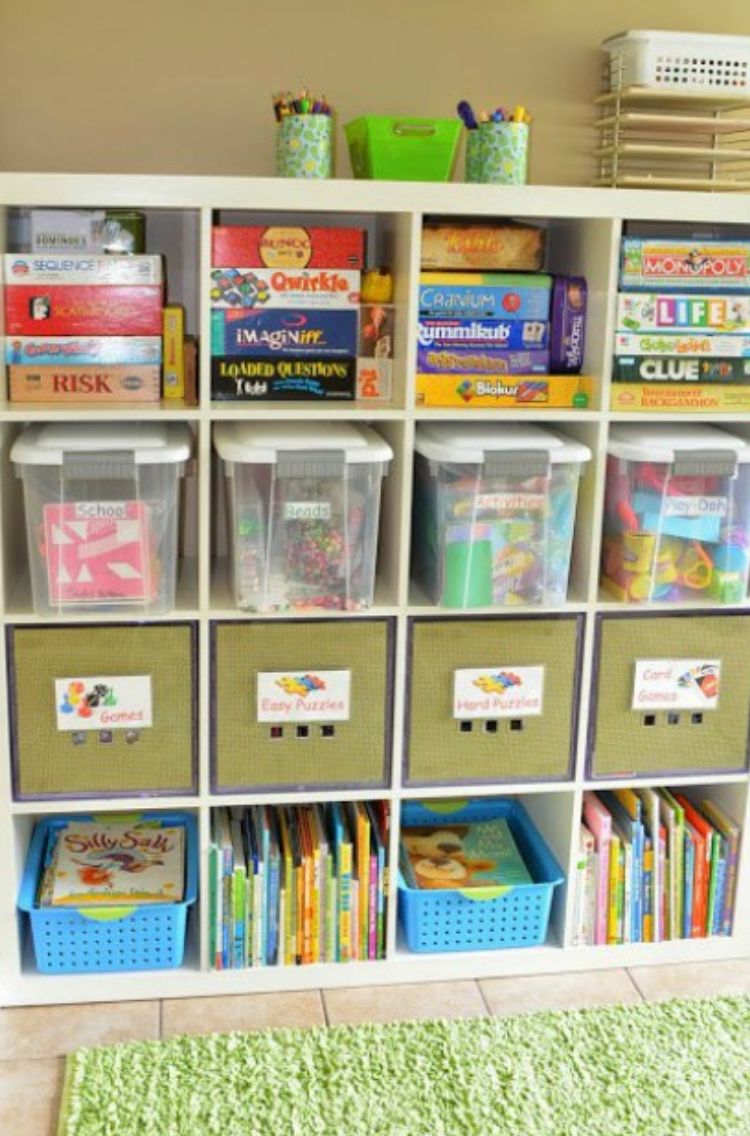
(684,314)
(286,246)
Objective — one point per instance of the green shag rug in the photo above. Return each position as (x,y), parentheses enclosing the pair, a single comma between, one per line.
(679,1068)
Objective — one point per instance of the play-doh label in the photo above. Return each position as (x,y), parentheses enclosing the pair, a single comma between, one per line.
(498,692)
(676,684)
(103,702)
(303,696)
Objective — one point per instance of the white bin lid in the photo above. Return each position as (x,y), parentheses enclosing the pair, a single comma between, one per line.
(613,43)
(151,443)
(663,443)
(262,442)
(468,443)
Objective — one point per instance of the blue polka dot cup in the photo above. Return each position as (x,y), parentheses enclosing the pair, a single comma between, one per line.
(304,146)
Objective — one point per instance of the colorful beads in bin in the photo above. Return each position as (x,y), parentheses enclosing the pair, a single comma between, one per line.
(494,513)
(676,515)
(303,512)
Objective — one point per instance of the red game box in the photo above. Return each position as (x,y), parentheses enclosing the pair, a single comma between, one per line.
(78,309)
(286,246)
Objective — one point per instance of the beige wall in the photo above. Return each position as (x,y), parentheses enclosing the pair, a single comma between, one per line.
(183,86)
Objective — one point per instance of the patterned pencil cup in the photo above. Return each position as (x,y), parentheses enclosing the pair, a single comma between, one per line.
(304,146)
(473,156)
(505,152)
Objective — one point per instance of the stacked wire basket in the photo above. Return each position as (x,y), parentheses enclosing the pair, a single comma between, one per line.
(674,112)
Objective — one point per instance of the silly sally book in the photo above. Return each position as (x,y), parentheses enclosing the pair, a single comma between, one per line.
(114,862)
(476,854)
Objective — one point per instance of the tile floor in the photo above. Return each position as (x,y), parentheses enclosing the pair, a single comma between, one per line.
(35,1040)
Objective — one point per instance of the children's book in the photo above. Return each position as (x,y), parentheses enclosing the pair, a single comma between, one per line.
(626,816)
(703,835)
(117,863)
(290,888)
(674,819)
(653,928)
(476,854)
(730,829)
(239,893)
(380,857)
(585,889)
(598,819)
(343,852)
(616,885)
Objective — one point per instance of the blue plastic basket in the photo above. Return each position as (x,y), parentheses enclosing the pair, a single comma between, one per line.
(88,940)
(481,920)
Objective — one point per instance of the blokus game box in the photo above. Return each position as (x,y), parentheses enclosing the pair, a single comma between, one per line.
(287,246)
(504,391)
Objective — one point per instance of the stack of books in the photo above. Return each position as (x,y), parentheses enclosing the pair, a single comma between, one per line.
(292,885)
(654,864)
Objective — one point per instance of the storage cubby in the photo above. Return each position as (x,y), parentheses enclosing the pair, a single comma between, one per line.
(400,741)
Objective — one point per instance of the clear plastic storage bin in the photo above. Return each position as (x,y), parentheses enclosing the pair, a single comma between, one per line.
(677,515)
(303,511)
(494,513)
(101,502)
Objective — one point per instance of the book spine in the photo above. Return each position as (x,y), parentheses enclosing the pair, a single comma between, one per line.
(613,891)
(372,915)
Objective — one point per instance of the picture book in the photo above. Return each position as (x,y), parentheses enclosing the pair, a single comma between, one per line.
(584,913)
(116,863)
(476,854)
(674,819)
(730,830)
(598,819)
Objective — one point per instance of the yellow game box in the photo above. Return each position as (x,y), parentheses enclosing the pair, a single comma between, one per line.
(697,398)
(521,391)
